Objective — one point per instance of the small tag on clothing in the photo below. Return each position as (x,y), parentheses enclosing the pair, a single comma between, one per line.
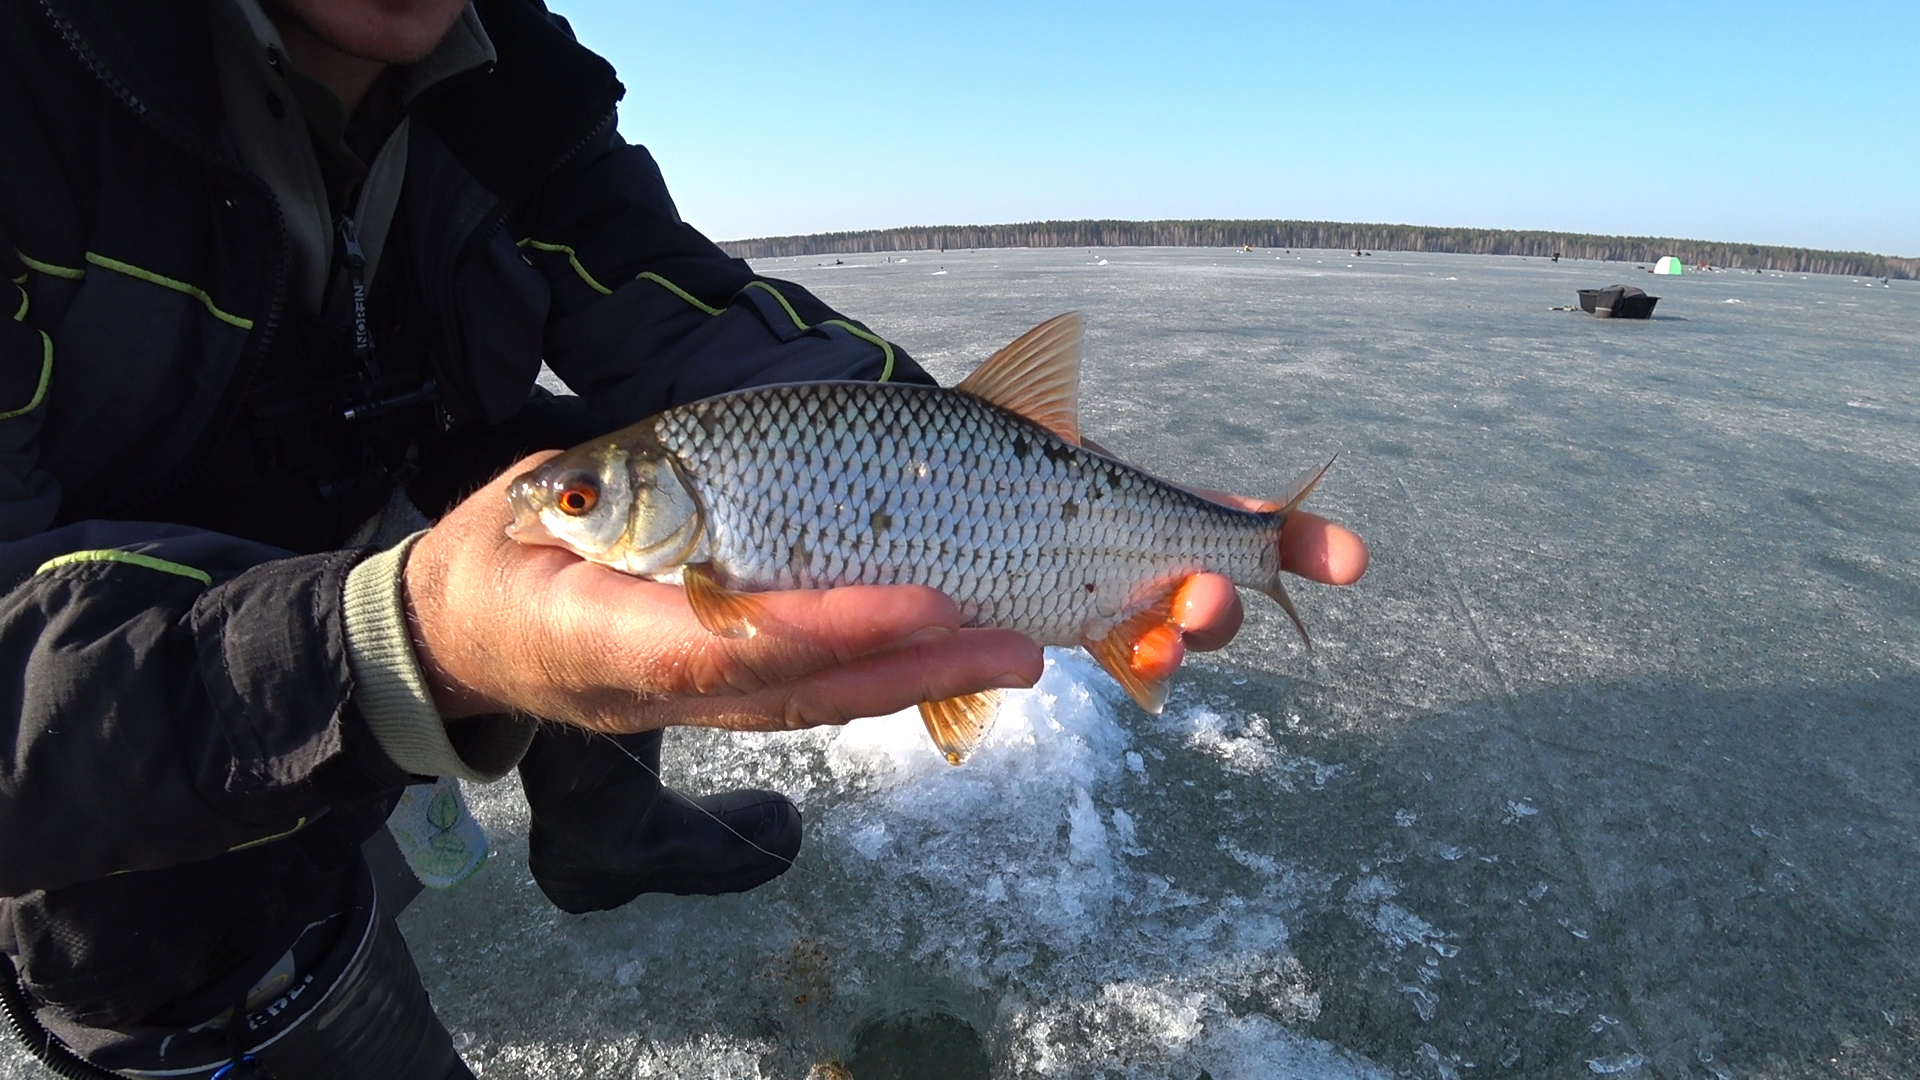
(443,844)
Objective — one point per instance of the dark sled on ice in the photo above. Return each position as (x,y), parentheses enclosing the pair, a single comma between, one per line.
(1618,302)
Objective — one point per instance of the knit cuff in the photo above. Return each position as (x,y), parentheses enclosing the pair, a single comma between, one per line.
(392,692)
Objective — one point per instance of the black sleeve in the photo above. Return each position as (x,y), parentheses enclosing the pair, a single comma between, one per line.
(179,694)
(174,693)
(648,313)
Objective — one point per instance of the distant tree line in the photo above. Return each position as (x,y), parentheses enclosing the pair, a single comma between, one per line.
(1337,235)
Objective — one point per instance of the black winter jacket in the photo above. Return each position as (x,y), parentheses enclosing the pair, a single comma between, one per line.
(181,761)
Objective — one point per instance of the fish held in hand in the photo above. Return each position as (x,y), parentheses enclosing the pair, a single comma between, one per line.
(985,491)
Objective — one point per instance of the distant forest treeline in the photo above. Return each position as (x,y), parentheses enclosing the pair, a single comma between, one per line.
(1327,234)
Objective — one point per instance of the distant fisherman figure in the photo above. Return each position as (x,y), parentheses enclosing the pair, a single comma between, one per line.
(985,492)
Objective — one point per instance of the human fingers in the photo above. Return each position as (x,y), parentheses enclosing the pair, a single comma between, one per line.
(934,669)
(1319,550)
(1207,608)
(1208,612)
(646,636)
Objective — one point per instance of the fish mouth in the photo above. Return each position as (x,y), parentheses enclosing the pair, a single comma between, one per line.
(530,531)
(526,527)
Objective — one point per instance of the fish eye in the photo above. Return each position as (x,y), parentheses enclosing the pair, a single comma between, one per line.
(578,495)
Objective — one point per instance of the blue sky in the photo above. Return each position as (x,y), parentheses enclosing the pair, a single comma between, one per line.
(1766,123)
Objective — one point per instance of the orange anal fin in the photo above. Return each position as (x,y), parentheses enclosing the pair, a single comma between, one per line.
(1142,653)
(959,724)
(721,610)
(1037,376)
(1158,652)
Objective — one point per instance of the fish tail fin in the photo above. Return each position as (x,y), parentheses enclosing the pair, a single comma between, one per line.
(1303,486)
(1278,593)
(1296,494)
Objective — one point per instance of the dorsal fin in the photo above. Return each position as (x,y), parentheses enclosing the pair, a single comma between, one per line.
(1038,376)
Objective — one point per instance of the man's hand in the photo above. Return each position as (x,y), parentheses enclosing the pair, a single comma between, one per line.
(500,626)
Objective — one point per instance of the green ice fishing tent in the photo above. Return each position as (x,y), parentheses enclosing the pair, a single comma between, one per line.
(1669,265)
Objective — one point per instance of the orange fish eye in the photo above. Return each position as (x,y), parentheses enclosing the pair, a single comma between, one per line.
(578,498)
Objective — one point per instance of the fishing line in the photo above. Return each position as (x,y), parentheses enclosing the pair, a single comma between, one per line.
(792,865)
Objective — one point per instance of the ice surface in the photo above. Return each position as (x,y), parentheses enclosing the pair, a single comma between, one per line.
(1609,766)
(1026,896)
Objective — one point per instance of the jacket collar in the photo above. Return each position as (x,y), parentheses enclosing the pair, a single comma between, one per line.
(156,56)
(514,125)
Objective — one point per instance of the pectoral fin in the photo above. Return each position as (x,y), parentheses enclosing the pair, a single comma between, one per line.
(958,725)
(722,611)
(1150,632)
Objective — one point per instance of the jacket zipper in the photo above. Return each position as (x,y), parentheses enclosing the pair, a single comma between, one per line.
(356,265)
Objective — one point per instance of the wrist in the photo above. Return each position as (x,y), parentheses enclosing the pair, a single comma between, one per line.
(423,592)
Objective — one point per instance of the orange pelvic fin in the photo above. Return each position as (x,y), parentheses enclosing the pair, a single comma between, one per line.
(1136,653)
(959,724)
(1038,376)
(721,610)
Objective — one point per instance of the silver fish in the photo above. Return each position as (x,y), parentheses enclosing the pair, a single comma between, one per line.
(984,491)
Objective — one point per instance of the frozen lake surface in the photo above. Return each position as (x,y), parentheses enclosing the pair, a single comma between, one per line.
(1608,767)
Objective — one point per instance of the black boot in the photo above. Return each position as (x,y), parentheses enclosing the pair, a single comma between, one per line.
(605,830)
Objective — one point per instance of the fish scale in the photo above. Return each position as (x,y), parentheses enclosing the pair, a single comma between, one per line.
(790,505)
